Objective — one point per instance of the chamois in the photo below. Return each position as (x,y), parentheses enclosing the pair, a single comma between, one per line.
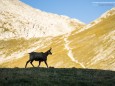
(39,56)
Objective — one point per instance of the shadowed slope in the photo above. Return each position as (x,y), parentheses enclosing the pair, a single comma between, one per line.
(56,76)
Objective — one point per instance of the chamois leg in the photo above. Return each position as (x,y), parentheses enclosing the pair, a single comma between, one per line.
(31,63)
(46,64)
(39,63)
(27,63)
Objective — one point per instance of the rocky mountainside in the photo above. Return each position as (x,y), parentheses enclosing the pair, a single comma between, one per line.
(21,26)
(20,20)
(73,43)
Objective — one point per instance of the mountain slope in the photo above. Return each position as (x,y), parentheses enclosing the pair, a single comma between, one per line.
(95,47)
(20,20)
(24,29)
(92,46)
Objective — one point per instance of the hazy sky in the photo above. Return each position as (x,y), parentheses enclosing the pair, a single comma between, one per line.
(84,10)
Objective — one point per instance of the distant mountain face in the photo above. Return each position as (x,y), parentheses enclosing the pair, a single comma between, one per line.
(20,20)
(73,43)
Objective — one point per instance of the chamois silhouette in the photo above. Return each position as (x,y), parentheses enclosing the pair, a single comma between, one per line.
(39,56)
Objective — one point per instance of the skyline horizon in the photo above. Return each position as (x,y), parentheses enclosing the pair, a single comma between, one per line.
(80,11)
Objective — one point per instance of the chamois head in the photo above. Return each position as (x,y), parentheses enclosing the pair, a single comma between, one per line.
(49,51)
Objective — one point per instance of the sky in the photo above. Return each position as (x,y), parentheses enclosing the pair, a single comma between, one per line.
(83,10)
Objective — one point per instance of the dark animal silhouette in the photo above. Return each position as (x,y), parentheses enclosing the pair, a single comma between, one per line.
(38,56)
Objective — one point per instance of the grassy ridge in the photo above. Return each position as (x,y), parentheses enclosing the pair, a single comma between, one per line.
(56,77)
